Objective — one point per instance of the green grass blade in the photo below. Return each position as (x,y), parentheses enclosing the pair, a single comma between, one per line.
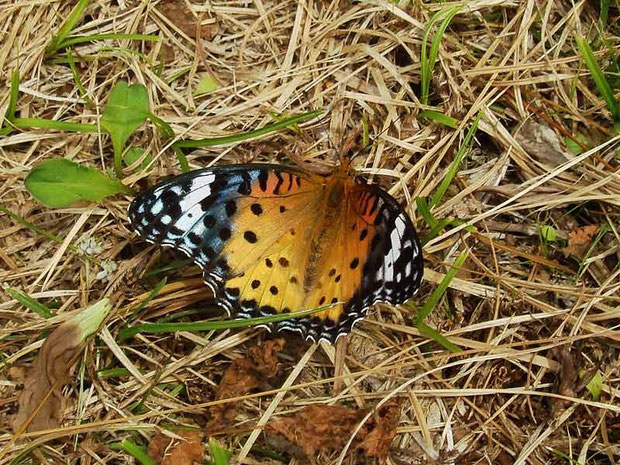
(137,452)
(175,265)
(78,81)
(425,211)
(67,26)
(429,58)
(29,302)
(440,118)
(604,13)
(250,134)
(436,229)
(6,125)
(156,290)
(27,123)
(12,108)
(220,454)
(183,163)
(599,78)
(131,331)
(438,293)
(454,167)
(438,337)
(112,36)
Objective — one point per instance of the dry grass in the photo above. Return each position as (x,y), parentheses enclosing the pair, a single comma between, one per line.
(528,317)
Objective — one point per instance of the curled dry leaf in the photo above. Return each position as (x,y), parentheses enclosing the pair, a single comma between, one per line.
(580,240)
(41,400)
(383,431)
(171,451)
(324,428)
(319,428)
(243,376)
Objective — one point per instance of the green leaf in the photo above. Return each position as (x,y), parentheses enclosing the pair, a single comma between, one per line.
(29,302)
(250,134)
(599,78)
(433,300)
(220,454)
(428,58)
(595,386)
(68,25)
(206,85)
(133,154)
(438,337)
(548,233)
(454,166)
(59,183)
(27,123)
(126,110)
(441,118)
(89,38)
(131,331)
(137,452)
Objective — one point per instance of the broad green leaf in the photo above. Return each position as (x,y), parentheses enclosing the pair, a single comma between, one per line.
(206,85)
(59,183)
(127,109)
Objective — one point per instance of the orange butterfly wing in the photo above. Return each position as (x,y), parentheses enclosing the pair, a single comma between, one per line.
(274,239)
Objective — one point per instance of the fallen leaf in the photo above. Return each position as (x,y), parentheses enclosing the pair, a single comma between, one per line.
(244,375)
(542,143)
(178,14)
(377,442)
(206,85)
(42,400)
(580,240)
(319,428)
(595,385)
(166,450)
(567,380)
(324,428)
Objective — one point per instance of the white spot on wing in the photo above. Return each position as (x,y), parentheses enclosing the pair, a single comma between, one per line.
(200,189)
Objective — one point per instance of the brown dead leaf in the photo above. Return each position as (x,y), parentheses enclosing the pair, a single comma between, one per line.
(541,143)
(50,372)
(580,240)
(180,15)
(567,381)
(244,375)
(377,442)
(319,428)
(324,428)
(42,395)
(170,451)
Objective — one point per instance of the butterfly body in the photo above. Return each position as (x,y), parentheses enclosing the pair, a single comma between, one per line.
(277,239)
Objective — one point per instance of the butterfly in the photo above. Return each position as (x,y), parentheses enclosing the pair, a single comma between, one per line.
(276,239)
